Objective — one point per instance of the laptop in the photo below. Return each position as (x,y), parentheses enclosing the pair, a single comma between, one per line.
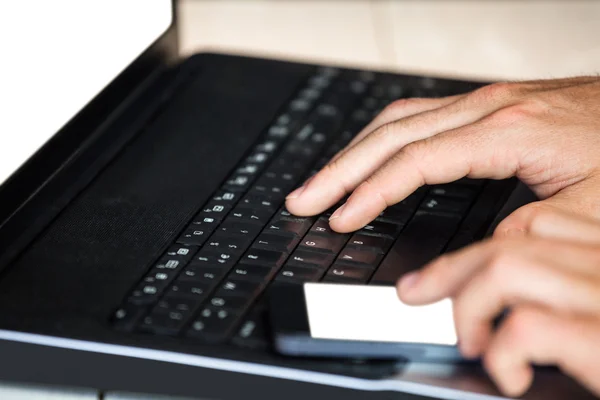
(142,218)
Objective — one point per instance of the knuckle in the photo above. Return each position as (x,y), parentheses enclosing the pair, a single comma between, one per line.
(520,325)
(499,268)
(511,115)
(399,105)
(383,133)
(495,91)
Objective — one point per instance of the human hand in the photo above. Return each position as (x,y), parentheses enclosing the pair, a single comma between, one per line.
(547,133)
(548,275)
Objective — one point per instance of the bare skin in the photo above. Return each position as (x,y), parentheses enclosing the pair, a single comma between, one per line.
(547,133)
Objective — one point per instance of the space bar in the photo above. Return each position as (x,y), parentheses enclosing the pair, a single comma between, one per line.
(423,239)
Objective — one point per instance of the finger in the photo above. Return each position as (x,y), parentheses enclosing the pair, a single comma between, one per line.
(397,110)
(549,219)
(534,335)
(481,149)
(340,177)
(511,279)
(447,275)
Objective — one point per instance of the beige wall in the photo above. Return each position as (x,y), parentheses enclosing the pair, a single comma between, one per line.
(487,38)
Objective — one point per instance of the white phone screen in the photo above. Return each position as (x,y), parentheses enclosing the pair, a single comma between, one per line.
(375,313)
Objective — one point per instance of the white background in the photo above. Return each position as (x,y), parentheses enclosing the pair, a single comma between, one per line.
(57,55)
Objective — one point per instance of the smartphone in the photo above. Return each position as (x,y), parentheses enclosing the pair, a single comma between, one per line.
(356,321)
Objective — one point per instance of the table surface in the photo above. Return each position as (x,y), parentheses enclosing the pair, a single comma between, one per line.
(492,40)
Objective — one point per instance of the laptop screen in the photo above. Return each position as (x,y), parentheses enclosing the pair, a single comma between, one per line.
(58,55)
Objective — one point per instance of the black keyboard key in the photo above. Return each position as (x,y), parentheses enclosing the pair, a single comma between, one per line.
(127,317)
(266,258)
(255,202)
(327,244)
(225,300)
(251,216)
(252,332)
(258,157)
(160,276)
(239,182)
(264,188)
(303,258)
(197,234)
(240,287)
(226,196)
(398,216)
(289,226)
(322,227)
(146,293)
(213,325)
(423,239)
(181,252)
(195,291)
(439,204)
(169,323)
(207,258)
(382,229)
(376,244)
(348,273)
(363,258)
(236,229)
(412,201)
(299,274)
(454,191)
(235,245)
(181,304)
(275,177)
(280,131)
(252,272)
(202,274)
(268,241)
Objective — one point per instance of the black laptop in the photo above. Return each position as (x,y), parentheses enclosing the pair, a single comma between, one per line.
(138,241)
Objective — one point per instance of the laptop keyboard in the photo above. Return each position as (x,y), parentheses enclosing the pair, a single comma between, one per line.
(208,285)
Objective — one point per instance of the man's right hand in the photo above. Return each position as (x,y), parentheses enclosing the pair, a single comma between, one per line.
(547,133)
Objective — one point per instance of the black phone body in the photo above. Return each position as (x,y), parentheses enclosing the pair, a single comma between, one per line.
(292,336)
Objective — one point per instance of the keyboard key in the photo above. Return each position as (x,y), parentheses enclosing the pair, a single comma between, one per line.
(240,287)
(267,258)
(169,323)
(322,227)
(160,276)
(220,242)
(212,325)
(252,333)
(303,258)
(239,182)
(202,274)
(237,229)
(349,273)
(196,235)
(126,318)
(423,239)
(224,196)
(192,290)
(252,272)
(289,226)
(445,205)
(381,228)
(207,258)
(411,202)
(398,216)
(376,244)
(299,274)
(176,303)
(454,191)
(251,216)
(283,179)
(259,202)
(327,244)
(362,258)
(224,300)
(263,187)
(268,241)
(146,293)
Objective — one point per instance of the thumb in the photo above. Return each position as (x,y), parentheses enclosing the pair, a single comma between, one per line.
(576,204)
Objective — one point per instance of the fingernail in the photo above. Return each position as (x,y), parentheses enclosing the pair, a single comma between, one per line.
(337,213)
(296,193)
(409,281)
(514,232)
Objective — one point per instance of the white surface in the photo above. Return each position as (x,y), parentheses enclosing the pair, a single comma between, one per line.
(57,55)
(374,313)
(10,391)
